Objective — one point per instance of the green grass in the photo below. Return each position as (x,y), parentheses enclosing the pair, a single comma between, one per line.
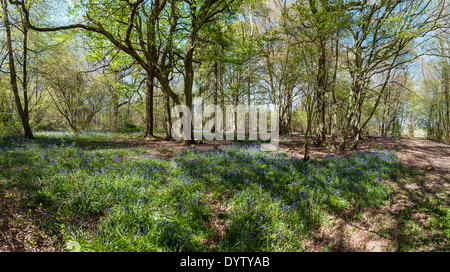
(104,201)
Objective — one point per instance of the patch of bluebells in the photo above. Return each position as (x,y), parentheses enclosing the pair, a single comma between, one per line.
(95,183)
(173,236)
(153,204)
(247,228)
(289,190)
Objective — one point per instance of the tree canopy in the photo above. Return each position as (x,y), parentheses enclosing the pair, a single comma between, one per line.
(347,69)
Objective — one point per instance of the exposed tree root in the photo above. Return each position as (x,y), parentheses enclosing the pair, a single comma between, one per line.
(149,136)
(188,142)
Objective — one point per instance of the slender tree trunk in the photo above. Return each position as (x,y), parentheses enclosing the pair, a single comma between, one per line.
(446,91)
(289,112)
(189,79)
(216,90)
(308,129)
(383,119)
(321,90)
(168,117)
(249,98)
(347,120)
(357,121)
(115,108)
(127,117)
(358,111)
(188,85)
(222,93)
(334,109)
(412,125)
(25,73)
(152,51)
(148,133)
(22,115)
(309,106)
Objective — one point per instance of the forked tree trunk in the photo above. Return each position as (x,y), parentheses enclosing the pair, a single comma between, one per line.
(22,115)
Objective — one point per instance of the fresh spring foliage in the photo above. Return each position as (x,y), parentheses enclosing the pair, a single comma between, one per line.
(115,199)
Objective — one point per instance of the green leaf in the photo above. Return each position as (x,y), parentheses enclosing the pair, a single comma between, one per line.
(73,246)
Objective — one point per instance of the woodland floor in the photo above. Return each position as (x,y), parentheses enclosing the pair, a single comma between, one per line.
(402,224)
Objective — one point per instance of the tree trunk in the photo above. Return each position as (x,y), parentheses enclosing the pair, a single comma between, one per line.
(384,117)
(289,112)
(115,105)
(168,117)
(222,93)
(22,115)
(25,73)
(189,80)
(347,120)
(308,129)
(321,90)
(358,108)
(334,110)
(357,122)
(446,90)
(148,133)
(216,90)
